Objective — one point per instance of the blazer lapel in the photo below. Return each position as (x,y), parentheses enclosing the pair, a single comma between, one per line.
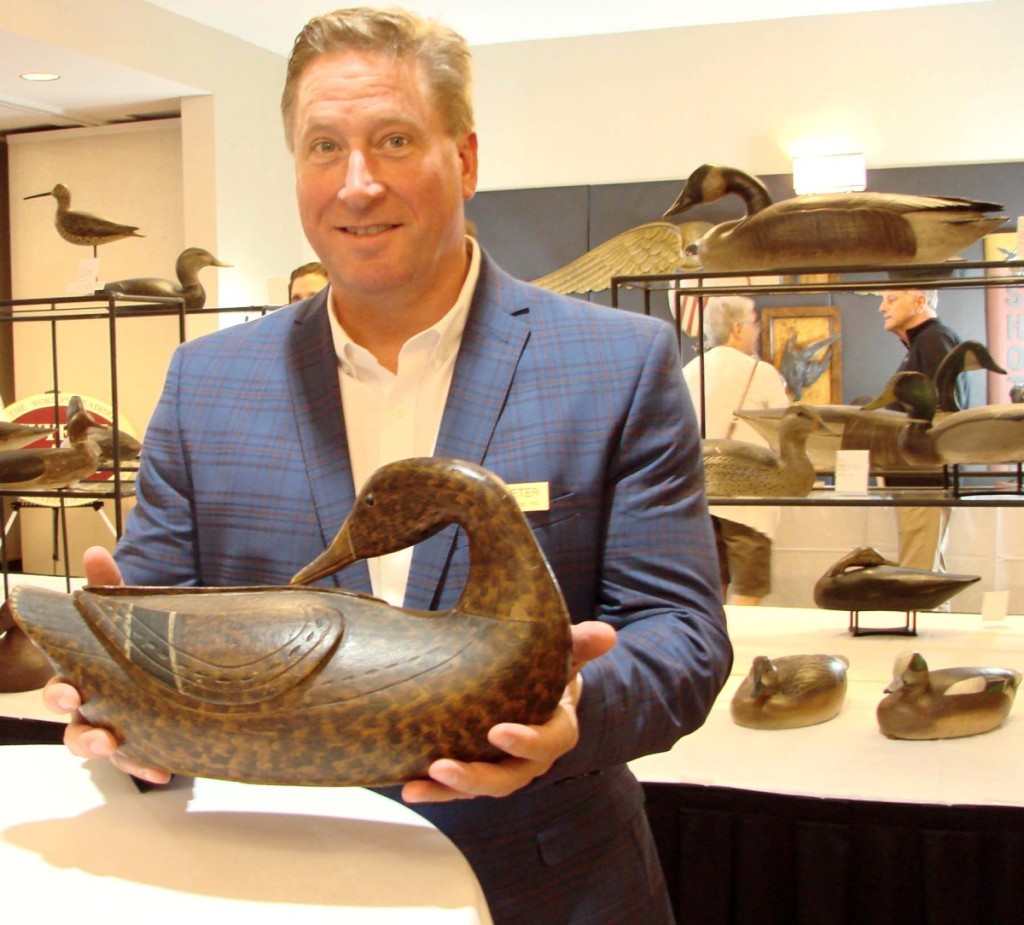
(493,341)
(316,404)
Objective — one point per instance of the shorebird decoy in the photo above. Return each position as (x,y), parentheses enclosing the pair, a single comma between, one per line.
(947,703)
(190,262)
(314,685)
(735,468)
(657,247)
(830,229)
(51,468)
(14,436)
(790,692)
(802,364)
(84,227)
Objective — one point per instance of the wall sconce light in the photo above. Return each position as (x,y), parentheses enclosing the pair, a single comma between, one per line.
(828,173)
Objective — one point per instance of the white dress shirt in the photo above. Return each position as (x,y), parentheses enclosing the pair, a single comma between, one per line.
(391,416)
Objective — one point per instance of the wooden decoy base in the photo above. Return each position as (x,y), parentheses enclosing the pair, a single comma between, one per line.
(909,628)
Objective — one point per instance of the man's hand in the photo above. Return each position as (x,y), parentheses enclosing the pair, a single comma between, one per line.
(84,740)
(531,749)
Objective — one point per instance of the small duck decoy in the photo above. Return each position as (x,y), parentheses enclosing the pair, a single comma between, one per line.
(23,667)
(865,580)
(802,364)
(84,227)
(318,686)
(790,692)
(829,229)
(15,436)
(735,468)
(1017,393)
(947,703)
(50,468)
(654,248)
(190,262)
(103,436)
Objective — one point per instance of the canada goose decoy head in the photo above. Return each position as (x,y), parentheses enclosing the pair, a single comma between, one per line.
(711,182)
(967,356)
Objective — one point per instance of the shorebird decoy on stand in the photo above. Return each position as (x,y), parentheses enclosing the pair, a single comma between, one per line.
(190,262)
(83,227)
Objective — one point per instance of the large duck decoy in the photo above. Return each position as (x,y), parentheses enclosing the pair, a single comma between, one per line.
(865,580)
(102,435)
(829,229)
(790,692)
(190,262)
(15,436)
(50,468)
(654,248)
(84,227)
(300,685)
(947,703)
(802,364)
(735,468)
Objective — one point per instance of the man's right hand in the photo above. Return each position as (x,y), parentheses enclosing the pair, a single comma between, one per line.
(84,740)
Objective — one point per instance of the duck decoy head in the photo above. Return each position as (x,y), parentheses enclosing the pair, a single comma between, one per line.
(705,184)
(913,391)
(193,259)
(862,557)
(764,675)
(909,672)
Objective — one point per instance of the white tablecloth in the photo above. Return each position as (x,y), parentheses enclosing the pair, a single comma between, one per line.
(848,757)
(81,844)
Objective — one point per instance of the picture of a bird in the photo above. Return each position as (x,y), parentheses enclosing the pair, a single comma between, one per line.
(83,227)
(829,229)
(654,248)
(189,288)
(315,685)
(802,365)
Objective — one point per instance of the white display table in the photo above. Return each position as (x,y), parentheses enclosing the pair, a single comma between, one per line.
(81,844)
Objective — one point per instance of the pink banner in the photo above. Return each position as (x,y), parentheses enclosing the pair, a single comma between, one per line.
(1004,320)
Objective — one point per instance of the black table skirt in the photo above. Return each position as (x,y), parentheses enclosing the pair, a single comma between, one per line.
(736,857)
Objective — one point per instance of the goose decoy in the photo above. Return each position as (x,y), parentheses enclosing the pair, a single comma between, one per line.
(735,468)
(657,247)
(190,262)
(300,685)
(789,692)
(829,229)
(944,704)
(967,356)
(84,227)
(865,580)
(15,436)
(103,436)
(23,667)
(50,468)
(802,364)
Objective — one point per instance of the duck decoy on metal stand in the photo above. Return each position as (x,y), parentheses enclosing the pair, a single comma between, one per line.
(102,435)
(945,704)
(50,468)
(84,227)
(15,436)
(188,288)
(790,692)
(829,229)
(865,580)
(303,685)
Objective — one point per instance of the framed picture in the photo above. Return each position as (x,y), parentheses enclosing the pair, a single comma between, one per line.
(804,344)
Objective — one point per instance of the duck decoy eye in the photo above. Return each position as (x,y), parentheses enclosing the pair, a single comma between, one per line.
(369,500)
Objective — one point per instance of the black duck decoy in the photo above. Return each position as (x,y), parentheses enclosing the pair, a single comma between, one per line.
(300,685)
(802,364)
(735,468)
(15,436)
(790,692)
(653,248)
(947,703)
(84,227)
(50,468)
(865,580)
(103,435)
(829,229)
(190,262)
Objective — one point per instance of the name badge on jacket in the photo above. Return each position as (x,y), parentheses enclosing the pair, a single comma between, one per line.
(530,496)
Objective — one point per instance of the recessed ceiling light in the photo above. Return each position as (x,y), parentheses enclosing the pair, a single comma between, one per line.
(40,75)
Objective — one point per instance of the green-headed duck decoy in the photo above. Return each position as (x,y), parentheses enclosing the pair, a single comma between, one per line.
(944,704)
(190,262)
(84,227)
(802,364)
(791,691)
(23,667)
(735,468)
(14,436)
(865,580)
(829,229)
(653,248)
(50,468)
(103,435)
(300,685)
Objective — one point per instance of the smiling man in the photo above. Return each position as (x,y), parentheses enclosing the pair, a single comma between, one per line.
(422,346)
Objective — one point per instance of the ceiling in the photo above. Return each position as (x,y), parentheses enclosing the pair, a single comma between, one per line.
(94,91)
